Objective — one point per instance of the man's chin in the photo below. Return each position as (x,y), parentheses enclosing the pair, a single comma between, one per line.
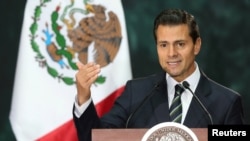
(175,75)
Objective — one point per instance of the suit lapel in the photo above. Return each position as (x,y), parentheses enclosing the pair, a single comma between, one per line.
(196,116)
(160,101)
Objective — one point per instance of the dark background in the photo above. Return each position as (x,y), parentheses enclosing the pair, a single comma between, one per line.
(225,54)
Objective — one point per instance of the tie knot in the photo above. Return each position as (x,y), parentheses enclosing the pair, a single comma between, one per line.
(178,89)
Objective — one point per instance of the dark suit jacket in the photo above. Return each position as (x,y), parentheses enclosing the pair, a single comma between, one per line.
(135,109)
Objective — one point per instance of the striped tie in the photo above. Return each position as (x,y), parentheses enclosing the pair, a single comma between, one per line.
(176,107)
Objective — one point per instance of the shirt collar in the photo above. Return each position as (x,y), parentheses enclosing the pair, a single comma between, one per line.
(193,80)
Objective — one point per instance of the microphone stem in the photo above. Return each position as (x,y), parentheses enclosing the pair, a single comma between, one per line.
(203,107)
(185,84)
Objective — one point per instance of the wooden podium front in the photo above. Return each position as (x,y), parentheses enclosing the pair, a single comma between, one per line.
(135,134)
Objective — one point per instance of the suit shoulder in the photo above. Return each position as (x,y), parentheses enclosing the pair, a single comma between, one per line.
(219,88)
(151,79)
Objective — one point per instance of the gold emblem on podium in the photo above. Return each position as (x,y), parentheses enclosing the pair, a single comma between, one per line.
(169,131)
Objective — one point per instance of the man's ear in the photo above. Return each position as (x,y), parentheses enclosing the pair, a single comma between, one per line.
(197,46)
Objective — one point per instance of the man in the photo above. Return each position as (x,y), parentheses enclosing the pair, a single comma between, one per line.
(146,101)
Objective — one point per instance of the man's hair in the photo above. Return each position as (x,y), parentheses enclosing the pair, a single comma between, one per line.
(177,17)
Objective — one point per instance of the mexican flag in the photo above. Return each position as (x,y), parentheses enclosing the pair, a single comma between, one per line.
(55,35)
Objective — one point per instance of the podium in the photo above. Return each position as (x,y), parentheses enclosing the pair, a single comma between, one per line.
(135,134)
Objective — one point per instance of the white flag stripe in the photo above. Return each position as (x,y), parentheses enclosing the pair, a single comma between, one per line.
(40,102)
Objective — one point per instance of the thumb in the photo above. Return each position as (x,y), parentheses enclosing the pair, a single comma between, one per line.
(79,65)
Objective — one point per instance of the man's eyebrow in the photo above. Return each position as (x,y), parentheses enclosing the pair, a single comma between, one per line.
(176,41)
(180,40)
(163,42)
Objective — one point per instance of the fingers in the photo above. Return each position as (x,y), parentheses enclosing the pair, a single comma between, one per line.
(92,71)
(85,77)
(88,73)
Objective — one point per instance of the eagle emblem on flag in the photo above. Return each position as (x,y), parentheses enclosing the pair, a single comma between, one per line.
(72,33)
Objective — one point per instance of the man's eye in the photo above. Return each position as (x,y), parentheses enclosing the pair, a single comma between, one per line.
(180,44)
(163,45)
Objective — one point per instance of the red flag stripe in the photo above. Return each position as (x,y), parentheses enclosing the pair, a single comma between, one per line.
(67,132)
(105,105)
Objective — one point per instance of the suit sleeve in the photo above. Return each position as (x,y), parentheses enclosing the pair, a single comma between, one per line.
(235,114)
(88,120)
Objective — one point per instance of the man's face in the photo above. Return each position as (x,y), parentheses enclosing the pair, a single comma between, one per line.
(176,50)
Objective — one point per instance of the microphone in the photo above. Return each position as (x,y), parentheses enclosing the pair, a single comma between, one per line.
(141,104)
(186,85)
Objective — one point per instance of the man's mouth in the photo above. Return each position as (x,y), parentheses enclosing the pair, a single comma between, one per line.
(173,63)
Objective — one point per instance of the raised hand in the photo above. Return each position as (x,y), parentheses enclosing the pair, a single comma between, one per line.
(85,77)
